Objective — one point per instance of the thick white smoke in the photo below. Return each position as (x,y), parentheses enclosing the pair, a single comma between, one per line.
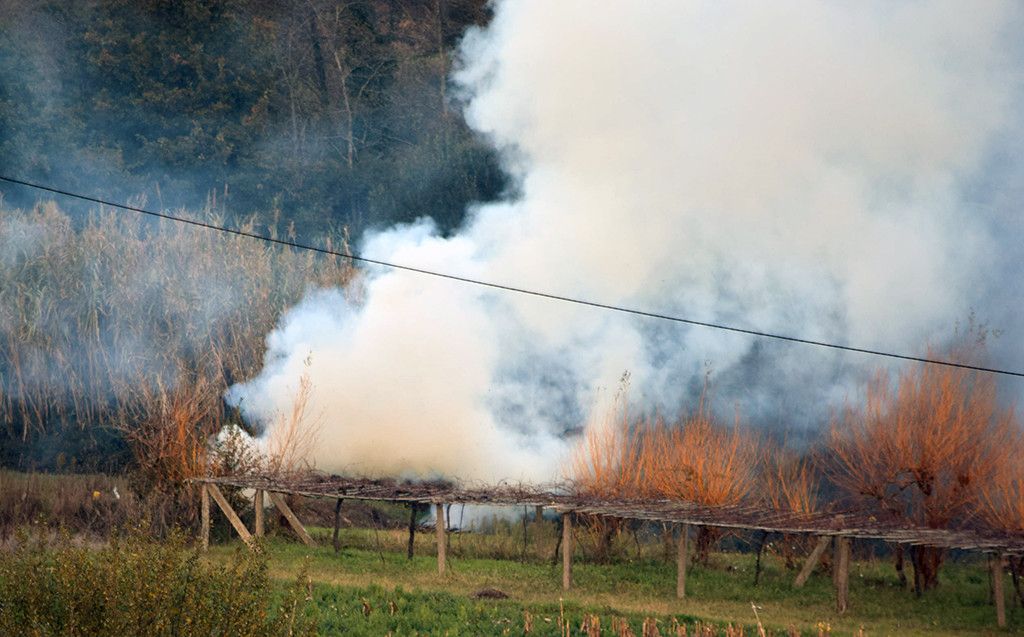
(795,166)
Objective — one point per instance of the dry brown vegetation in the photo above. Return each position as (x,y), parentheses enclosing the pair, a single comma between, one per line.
(790,482)
(116,321)
(291,440)
(921,450)
(931,448)
(695,458)
(91,504)
(1001,505)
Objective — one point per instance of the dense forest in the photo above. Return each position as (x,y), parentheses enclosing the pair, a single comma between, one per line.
(325,113)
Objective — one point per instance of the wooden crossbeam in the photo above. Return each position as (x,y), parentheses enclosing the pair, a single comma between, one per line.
(812,561)
(293,521)
(229,512)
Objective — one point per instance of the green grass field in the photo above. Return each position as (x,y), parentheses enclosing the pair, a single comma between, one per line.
(370,588)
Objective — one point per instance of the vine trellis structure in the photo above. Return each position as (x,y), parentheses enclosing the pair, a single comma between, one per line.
(837,527)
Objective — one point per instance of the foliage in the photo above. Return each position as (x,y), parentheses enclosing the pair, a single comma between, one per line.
(336,113)
(138,587)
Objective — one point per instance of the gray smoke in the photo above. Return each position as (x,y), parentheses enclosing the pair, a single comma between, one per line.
(807,168)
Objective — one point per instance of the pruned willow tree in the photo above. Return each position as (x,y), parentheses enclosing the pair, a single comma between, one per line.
(922,448)
(693,458)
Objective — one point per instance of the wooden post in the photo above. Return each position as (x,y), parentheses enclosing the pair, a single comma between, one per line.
(204,529)
(229,512)
(760,551)
(997,589)
(442,539)
(412,530)
(293,521)
(337,525)
(812,561)
(567,549)
(538,517)
(842,574)
(257,503)
(681,557)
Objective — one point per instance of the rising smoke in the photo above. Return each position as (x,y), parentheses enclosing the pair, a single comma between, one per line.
(799,167)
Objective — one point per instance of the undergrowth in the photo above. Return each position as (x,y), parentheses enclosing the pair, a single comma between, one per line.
(135,586)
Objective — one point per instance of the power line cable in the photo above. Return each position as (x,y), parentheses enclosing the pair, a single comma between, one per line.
(512,288)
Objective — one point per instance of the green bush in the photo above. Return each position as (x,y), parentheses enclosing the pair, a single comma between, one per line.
(135,586)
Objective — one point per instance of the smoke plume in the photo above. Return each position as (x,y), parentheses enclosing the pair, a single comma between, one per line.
(806,168)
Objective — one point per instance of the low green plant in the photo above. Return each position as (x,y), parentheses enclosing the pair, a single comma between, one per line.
(135,586)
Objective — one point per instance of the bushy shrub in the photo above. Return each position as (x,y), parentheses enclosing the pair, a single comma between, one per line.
(135,586)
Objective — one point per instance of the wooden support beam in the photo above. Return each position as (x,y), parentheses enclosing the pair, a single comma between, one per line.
(812,561)
(538,518)
(997,589)
(567,550)
(204,513)
(335,542)
(442,539)
(229,512)
(681,559)
(257,503)
(760,552)
(841,566)
(293,521)
(410,549)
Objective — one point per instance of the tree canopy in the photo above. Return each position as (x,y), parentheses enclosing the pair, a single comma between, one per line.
(326,112)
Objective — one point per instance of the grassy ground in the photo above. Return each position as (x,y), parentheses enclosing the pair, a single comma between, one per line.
(83,504)
(371,588)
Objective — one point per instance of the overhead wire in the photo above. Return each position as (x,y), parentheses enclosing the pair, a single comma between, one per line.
(511,288)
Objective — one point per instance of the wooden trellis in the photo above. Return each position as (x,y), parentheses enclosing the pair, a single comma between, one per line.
(835,528)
